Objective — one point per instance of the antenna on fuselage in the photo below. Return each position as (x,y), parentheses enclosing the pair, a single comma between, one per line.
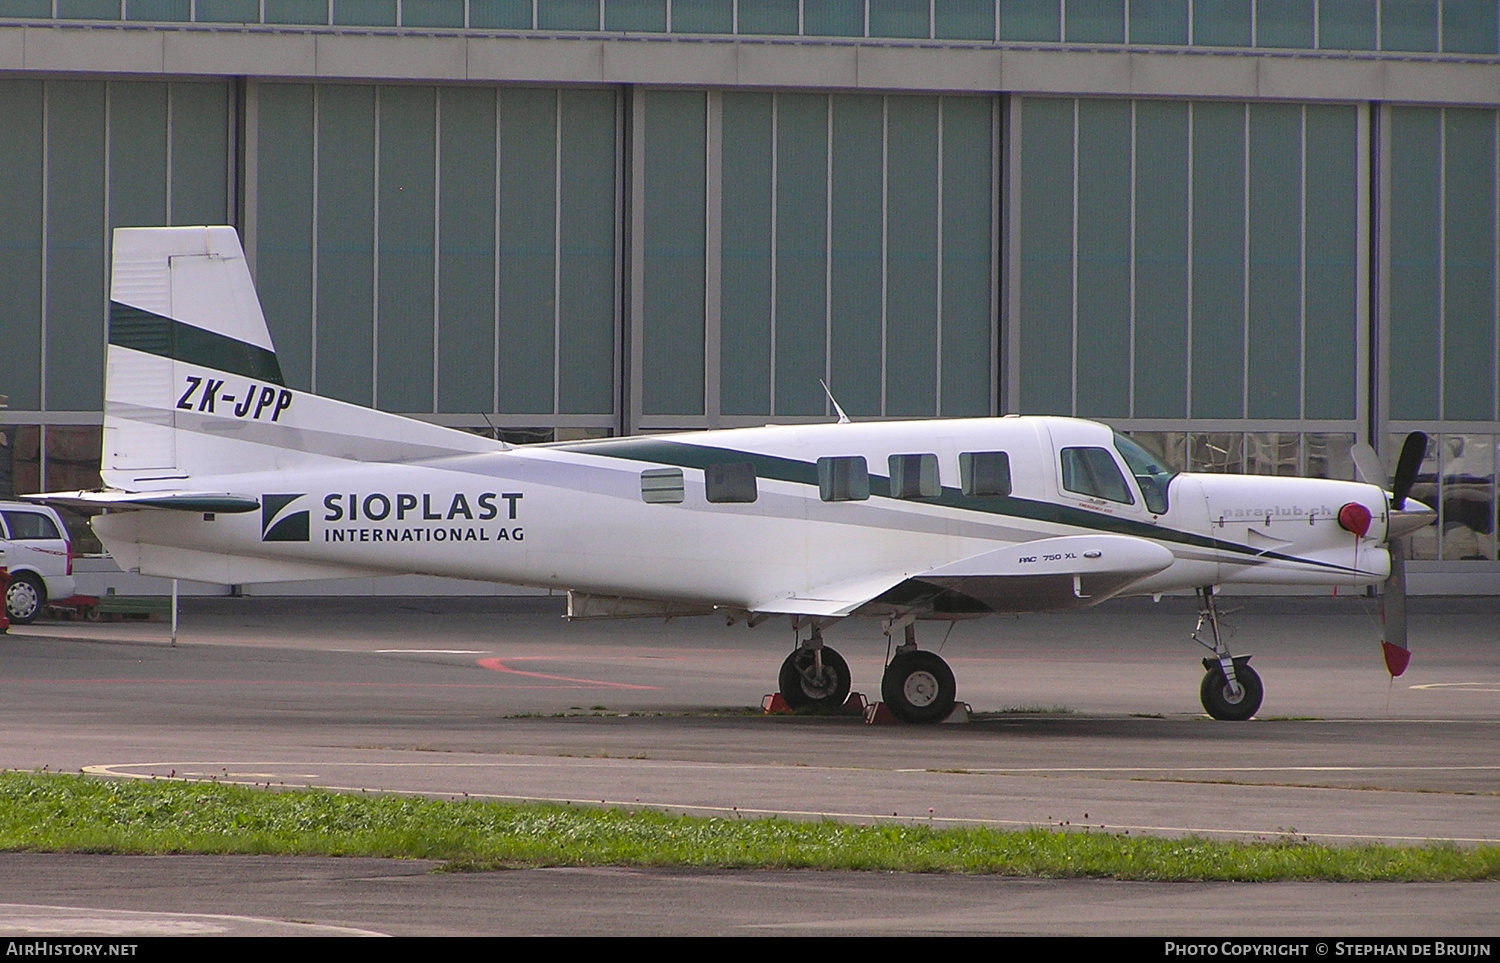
(843,418)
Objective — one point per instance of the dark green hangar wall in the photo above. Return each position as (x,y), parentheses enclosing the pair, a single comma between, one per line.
(1250,232)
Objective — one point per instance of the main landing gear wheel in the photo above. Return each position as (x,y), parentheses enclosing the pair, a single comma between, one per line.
(918,687)
(1222,702)
(25,598)
(803,686)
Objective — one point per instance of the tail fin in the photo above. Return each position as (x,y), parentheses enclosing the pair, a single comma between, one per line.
(193,387)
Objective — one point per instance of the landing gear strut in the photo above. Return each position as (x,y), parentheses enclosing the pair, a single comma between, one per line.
(814,676)
(1231,691)
(917,687)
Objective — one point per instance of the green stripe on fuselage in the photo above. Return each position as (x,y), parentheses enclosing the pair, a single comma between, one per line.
(681,455)
(143,331)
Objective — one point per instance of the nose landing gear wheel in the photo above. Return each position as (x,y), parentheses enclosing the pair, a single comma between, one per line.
(918,687)
(1222,703)
(804,687)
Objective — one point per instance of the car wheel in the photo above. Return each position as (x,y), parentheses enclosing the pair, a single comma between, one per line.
(25,598)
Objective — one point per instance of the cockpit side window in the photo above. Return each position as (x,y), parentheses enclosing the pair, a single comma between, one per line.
(1093,472)
(1153,478)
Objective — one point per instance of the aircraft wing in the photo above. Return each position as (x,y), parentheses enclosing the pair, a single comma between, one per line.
(1045,575)
(181,501)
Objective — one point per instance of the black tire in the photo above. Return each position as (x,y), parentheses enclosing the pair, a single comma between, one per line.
(918,687)
(25,598)
(804,689)
(1220,703)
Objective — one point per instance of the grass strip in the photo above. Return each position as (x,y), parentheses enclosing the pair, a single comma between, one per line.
(63,813)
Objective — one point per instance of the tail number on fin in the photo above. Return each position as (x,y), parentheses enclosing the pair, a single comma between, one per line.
(202,394)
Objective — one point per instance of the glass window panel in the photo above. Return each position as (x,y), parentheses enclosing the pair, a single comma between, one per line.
(1218,260)
(528,216)
(963,19)
(1469,266)
(1216,451)
(29,526)
(1468,496)
(674,257)
(769,16)
(1470,26)
(164,10)
(1273,453)
(26,458)
(801,252)
(296,11)
(843,479)
(500,14)
(1161,249)
(642,16)
(1159,21)
(1331,293)
(1152,476)
(29,9)
(21,245)
(1171,446)
(1423,543)
(1275,335)
(1103,258)
(987,473)
(73,457)
(832,18)
(137,154)
(365,13)
(702,16)
(1030,20)
(586,326)
(227,11)
(88,9)
(899,18)
(730,482)
(346,242)
(1046,257)
(200,153)
(745,303)
(407,198)
(1095,21)
(1416,153)
(1221,23)
(967,311)
(1284,23)
(466,252)
(1093,472)
(912,268)
(567,15)
(432,13)
(855,335)
(76,263)
(283,253)
(1346,24)
(1408,25)
(1328,455)
(914,476)
(661,486)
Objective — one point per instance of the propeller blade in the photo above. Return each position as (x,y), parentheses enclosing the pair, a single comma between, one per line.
(1412,453)
(1367,465)
(1393,612)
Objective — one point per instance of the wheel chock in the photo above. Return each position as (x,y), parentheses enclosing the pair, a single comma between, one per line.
(876,714)
(775,704)
(855,705)
(962,713)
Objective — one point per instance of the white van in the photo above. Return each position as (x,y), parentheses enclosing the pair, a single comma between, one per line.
(39,555)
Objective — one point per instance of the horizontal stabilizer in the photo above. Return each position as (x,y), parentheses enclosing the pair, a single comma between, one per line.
(221,502)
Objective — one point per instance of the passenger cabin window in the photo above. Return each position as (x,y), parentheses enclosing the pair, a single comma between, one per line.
(843,479)
(914,476)
(30,525)
(730,482)
(984,472)
(1150,476)
(661,486)
(1093,472)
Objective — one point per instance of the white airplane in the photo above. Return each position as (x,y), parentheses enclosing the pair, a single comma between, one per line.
(215,470)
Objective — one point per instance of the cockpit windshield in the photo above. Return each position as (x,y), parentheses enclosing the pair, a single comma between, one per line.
(1149,473)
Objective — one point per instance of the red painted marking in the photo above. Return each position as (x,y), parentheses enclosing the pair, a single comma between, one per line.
(496,665)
